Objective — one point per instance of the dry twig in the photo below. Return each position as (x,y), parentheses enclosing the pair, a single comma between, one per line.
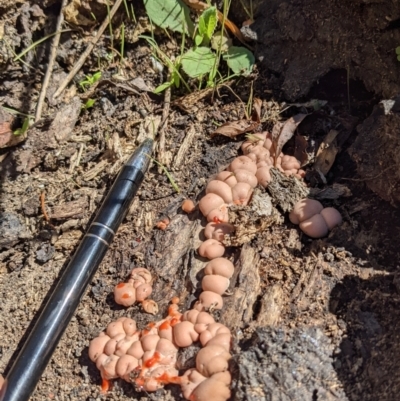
(163,124)
(78,65)
(53,53)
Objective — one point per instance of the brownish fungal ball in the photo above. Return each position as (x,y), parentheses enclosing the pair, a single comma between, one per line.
(143,291)
(290,163)
(218,231)
(263,176)
(227,177)
(246,177)
(125,294)
(219,215)
(241,193)
(211,249)
(260,152)
(331,216)
(184,334)
(221,189)
(314,227)
(212,359)
(194,378)
(141,274)
(211,389)
(243,163)
(220,266)
(209,203)
(96,346)
(304,209)
(215,283)
(188,206)
(209,299)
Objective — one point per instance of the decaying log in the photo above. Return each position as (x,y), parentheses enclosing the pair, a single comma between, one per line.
(238,308)
(285,191)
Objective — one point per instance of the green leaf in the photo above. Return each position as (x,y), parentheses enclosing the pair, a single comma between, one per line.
(208,23)
(198,62)
(163,86)
(172,14)
(398,50)
(240,60)
(176,78)
(96,76)
(24,128)
(89,104)
(198,39)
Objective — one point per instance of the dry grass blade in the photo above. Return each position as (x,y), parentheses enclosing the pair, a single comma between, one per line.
(282,132)
(78,65)
(52,58)
(257,104)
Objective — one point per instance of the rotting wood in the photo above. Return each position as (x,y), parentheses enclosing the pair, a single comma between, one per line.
(184,149)
(297,289)
(271,306)
(238,310)
(96,170)
(168,253)
(335,191)
(67,210)
(286,191)
(251,220)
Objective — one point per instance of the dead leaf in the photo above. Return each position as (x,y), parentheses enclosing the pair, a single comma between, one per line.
(139,84)
(196,4)
(7,138)
(282,132)
(257,104)
(187,102)
(64,122)
(5,134)
(327,152)
(300,149)
(235,128)
(233,28)
(5,127)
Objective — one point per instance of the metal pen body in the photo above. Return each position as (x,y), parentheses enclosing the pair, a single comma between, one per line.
(50,326)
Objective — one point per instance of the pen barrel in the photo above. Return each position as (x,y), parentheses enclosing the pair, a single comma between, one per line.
(52,322)
(50,326)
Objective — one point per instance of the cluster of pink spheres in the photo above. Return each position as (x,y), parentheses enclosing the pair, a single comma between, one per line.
(147,358)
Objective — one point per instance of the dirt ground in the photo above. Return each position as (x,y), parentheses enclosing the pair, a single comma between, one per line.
(312,319)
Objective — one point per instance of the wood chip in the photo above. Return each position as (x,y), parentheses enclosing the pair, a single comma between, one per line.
(238,309)
(271,306)
(96,170)
(67,210)
(184,149)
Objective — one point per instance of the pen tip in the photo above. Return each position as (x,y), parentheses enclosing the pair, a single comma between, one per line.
(142,156)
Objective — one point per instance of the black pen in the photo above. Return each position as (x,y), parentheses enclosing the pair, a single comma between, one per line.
(56,315)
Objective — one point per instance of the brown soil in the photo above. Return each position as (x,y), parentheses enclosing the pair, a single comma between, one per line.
(317,316)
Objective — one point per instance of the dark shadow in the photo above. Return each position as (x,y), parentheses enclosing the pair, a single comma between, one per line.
(368,359)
